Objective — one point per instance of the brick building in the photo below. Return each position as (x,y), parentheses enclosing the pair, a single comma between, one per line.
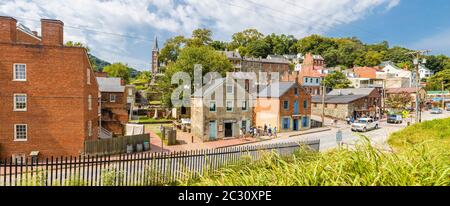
(285,105)
(48,104)
(114,103)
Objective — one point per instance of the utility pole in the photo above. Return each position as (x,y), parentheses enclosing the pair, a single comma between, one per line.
(417,63)
(323,105)
(443,97)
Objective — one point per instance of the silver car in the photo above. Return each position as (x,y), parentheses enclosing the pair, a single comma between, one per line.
(365,124)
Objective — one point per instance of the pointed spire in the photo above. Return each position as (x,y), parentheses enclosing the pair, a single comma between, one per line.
(155,44)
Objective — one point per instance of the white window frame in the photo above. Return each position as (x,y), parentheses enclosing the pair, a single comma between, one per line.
(232,106)
(89,128)
(111,99)
(215,106)
(246,105)
(14,73)
(15,103)
(130,92)
(88,74)
(232,88)
(90,102)
(15,133)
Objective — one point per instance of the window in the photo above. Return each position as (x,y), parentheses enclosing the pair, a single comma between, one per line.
(90,102)
(305,104)
(88,75)
(112,98)
(20,72)
(229,106)
(212,106)
(244,106)
(20,102)
(317,81)
(286,104)
(296,91)
(89,128)
(20,132)
(286,123)
(130,92)
(229,89)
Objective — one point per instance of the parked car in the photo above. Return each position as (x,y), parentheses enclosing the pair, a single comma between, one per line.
(365,124)
(395,119)
(448,107)
(436,111)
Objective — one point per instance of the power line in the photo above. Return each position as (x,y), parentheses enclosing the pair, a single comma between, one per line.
(329,15)
(85,28)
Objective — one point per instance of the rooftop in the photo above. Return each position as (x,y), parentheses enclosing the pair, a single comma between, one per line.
(337,99)
(109,84)
(353,91)
(276,89)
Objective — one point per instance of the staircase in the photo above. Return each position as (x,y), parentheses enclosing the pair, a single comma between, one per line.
(105,134)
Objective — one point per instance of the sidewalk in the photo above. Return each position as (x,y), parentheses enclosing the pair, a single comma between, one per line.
(186,144)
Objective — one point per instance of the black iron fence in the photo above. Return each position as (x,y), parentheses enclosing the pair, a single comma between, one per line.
(142,169)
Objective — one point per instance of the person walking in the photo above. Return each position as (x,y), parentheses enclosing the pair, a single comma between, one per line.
(270,131)
(275,132)
(265,128)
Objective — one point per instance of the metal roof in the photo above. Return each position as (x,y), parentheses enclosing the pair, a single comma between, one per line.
(109,84)
(357,91)
(337,99)
(276,89)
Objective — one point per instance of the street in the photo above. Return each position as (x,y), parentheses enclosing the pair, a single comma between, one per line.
(378,137)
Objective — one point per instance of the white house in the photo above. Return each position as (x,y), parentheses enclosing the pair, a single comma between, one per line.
(424,72)
(392,71)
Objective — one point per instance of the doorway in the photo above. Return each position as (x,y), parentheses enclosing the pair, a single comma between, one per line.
(295,126)
(228,130)
(212,130)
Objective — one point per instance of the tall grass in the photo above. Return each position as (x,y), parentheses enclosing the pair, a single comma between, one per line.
(362,165)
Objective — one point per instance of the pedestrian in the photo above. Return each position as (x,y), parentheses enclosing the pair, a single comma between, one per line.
(240,133)
(265,128)
(255,132)
(348,120)
(275,132)
(270,131)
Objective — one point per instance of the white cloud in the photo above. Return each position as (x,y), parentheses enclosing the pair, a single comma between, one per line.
(438,43)
(225,17)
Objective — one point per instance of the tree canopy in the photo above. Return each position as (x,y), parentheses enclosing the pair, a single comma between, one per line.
(337,80)
(118,70)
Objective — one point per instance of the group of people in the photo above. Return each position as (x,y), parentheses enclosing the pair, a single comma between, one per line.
(266,131)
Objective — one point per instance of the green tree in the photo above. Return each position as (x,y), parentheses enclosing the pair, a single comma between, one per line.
(258,48)
(171,49)
(398,101)
(437,63)
(118,70)
(435,82)
(337,80)
(211,61)
(201,37)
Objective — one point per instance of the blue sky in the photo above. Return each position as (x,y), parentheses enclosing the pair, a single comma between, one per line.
(417,24)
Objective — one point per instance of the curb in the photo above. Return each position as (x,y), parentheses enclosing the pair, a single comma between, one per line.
(312,132)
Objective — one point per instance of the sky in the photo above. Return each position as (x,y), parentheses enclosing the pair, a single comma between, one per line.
(123,30)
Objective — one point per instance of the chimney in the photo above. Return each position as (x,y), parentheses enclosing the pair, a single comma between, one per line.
(52,32)
(8,29)
(122,82)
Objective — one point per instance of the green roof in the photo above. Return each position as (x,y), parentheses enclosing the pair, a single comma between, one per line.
(438,92)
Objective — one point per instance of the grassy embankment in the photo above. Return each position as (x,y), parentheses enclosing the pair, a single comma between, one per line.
(422,157)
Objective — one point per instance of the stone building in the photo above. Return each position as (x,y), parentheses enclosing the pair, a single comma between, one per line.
(342,103)
(49,94)
(222,109)
(285,105)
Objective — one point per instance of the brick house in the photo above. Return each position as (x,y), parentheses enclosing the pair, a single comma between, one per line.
(342,103)
(222,109)
(285,105)
(48,104)
(114,114)
(310,75)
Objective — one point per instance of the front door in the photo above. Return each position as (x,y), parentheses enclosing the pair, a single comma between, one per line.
(228,129)
(212,130)
(296,110)
(295,126)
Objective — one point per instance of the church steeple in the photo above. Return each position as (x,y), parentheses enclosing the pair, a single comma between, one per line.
(155,44)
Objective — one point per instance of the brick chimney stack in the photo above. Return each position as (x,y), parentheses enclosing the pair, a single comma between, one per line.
(8,29)
(52,32)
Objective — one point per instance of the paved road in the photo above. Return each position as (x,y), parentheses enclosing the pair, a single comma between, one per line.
(378,137)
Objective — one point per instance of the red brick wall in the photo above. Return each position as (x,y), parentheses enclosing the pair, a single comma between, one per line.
(291,97)
(8,30)
(57,107)
(22,37)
